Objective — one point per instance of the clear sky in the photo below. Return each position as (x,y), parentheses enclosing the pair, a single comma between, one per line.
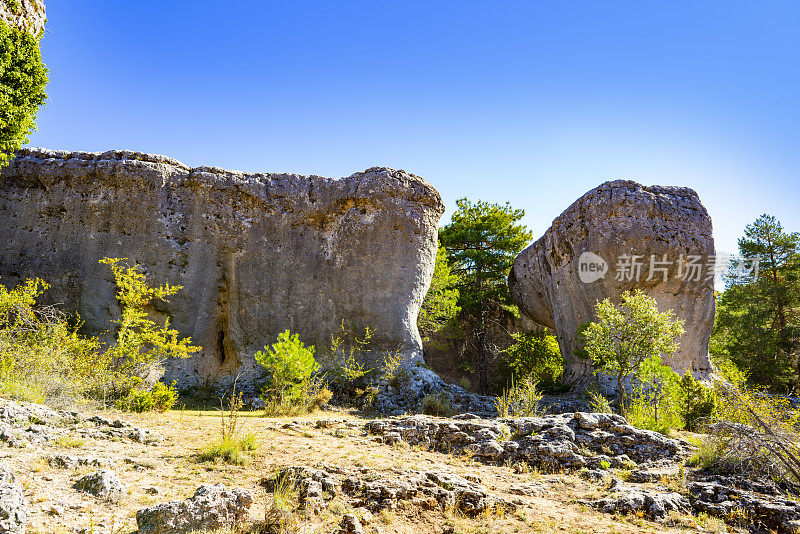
(530,102)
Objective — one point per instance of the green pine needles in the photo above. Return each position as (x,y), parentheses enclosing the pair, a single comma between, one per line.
(23,78)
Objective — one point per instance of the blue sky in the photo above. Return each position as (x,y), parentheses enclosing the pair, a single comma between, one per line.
(530,102)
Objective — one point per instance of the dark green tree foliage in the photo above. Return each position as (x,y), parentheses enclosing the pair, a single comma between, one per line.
(23,78)
(482,240)
(534,354)
(440,305)
(758,324)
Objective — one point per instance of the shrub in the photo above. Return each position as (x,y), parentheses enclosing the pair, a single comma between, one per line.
(535,354)
(520,399)
(229,450)
(627,336)
(23,78)
(598,403)
(160,399)
(753,434)
(655,401)
(44,359)
(437,404)
(290,365)
(698,402)
(42,356)
(140,344)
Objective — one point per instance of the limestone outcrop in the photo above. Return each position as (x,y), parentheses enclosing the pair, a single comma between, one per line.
(621,236)
(28,15)
(256,254)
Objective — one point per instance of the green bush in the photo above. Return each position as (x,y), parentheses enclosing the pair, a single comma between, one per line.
(229,450)
(160,399)
(437,404)
(629,337)
(699,402)
(140,344)
(290,365)
(520,399)
(294,387)
(23,78)
(43,358)
(655,401)
(536,355)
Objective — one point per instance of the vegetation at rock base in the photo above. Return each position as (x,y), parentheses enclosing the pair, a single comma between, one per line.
(535,355)
(23,78)
(628,339)
(43,357)
(482,239)
(293,386)
(141,345)
(520,399)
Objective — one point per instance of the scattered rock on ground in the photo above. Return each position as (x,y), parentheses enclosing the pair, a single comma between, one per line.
(552,442)
(655,505)
(770,511)
(69,461)
(367,489)
(104,484)
(13,507)
(350,525)
(211,507)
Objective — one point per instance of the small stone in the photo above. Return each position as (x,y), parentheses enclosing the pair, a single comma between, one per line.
(350,525)
(104,484)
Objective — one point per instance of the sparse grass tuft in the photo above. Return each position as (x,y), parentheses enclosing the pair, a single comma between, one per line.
(437,404)
(229,450)
(70,442)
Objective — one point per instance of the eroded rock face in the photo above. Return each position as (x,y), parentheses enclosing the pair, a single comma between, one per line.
(28,15)
(662,224)
(255,253)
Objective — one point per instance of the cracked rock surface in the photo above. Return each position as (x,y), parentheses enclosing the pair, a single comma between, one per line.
(365,488)
(211,507)
(553,442)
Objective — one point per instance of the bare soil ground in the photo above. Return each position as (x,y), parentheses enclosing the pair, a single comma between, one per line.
(171,470)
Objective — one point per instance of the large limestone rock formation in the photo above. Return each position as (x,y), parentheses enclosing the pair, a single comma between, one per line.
(613,220)
(255,253)
(28,15)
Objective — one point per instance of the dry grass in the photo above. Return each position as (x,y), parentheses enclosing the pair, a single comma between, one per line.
(176,474)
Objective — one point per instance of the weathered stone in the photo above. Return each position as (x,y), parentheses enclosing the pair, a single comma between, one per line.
(369,489)
(655,505)
(553,442)
(211,507)
(13,509)
(104,484)
(350,525)
(615,219)
(762,508)
(28,15)
(256,254)
(68,461)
